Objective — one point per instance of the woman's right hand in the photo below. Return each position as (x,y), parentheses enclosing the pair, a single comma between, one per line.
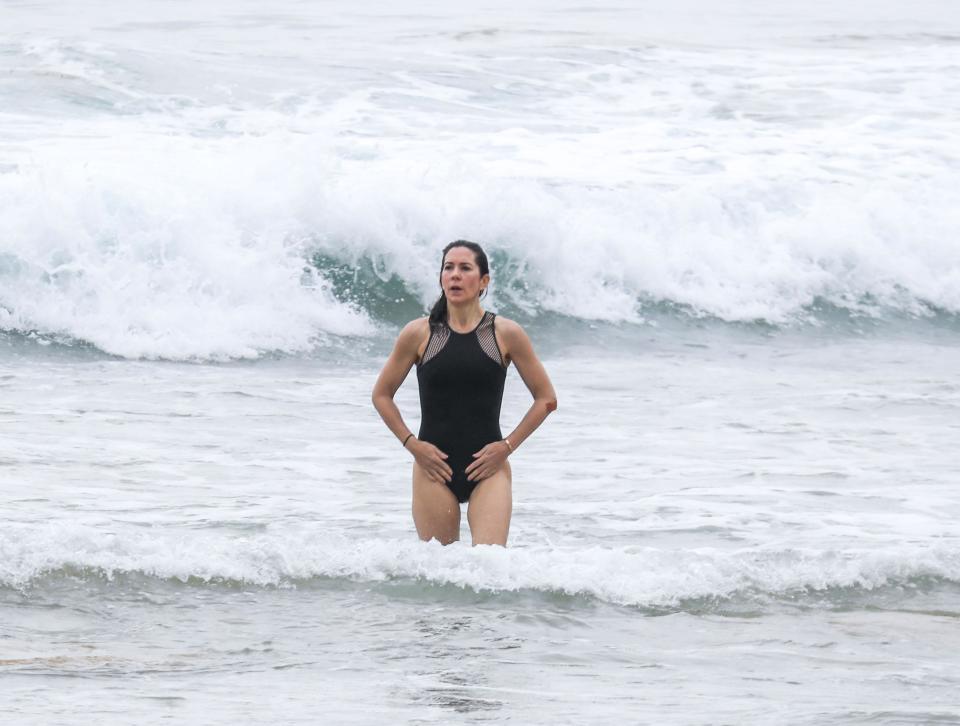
(431,460)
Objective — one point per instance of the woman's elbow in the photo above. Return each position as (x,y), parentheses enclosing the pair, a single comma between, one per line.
(377,396)
(550,404)
(381,396)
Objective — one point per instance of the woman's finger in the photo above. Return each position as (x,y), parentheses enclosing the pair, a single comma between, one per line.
(444,466)
(472,469)
(438,464)
(434,468)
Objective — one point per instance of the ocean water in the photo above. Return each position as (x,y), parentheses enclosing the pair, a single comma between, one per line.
(733,234)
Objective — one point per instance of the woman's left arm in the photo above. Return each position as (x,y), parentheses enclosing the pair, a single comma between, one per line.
(518,346)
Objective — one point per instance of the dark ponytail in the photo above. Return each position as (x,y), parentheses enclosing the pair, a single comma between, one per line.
(438,313)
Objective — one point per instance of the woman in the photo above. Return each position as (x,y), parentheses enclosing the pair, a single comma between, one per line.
(462,353)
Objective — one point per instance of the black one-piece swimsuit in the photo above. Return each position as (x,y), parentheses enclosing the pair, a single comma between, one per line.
(461,377)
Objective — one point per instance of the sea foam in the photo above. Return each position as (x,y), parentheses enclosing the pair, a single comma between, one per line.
(172,203)
(172,249)
(633,576)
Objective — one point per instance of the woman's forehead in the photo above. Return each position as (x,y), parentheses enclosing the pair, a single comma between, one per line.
(460,254)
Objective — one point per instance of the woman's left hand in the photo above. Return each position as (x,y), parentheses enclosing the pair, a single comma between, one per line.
(488,461)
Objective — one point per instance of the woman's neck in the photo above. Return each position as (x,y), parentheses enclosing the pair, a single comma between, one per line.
(464,318)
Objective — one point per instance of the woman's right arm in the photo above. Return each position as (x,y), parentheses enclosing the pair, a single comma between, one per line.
(394,372)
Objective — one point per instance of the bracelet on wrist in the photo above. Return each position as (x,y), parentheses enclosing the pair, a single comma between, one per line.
(407,439)
(507,442)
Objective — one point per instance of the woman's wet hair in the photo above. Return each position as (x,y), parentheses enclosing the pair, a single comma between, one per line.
(438,313)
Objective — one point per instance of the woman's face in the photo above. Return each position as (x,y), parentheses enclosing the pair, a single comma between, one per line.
(460,277)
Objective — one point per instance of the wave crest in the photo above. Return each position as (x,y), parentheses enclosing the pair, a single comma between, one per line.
(632,576)
(242,246)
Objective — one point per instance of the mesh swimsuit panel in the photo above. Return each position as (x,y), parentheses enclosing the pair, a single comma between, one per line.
(461,377)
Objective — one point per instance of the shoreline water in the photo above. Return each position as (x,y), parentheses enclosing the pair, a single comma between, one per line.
(731,234)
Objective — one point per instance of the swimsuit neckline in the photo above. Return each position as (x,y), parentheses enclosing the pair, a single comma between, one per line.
(469,332)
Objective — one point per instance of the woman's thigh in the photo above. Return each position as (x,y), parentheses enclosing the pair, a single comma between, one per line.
(491,505)
(436,512)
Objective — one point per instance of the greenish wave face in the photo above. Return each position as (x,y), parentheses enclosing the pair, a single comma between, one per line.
(382,295)
(388,298)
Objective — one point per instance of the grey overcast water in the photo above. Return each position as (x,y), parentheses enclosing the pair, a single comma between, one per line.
(733,235)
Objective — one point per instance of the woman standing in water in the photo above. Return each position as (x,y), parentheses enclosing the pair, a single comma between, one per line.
(462,353)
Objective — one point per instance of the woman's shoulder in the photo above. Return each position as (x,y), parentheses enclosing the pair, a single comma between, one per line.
(511,337)
(413,333)
(416,325)
(416,328)
(507,328)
